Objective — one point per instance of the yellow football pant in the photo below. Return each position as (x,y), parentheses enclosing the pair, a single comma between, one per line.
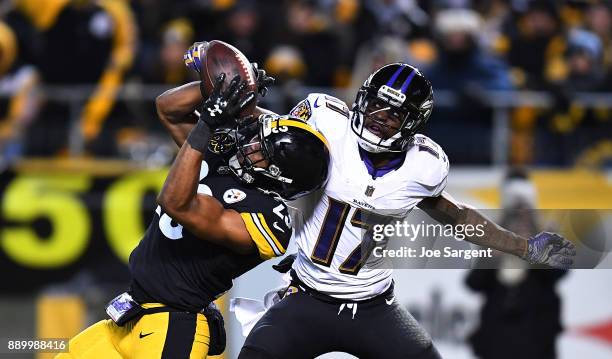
(163,335)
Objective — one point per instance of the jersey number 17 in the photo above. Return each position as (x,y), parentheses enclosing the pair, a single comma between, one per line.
(331,231)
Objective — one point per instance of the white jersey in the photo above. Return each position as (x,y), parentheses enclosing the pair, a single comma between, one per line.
(329,241)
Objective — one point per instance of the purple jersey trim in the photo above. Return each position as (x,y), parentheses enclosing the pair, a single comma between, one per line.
(381,171)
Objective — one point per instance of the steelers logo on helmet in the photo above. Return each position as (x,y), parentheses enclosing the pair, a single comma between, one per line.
(281,155)
(221,142)
(403,95)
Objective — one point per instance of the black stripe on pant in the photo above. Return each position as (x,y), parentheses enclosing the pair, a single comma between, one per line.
(180,334)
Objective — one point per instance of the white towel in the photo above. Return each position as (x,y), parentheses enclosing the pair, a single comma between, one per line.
(248,311)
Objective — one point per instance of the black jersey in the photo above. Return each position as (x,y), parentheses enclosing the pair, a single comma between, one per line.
(171,266)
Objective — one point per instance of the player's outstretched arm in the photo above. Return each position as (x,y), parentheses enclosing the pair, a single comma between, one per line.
(203,215)
(544,248)
(446,210)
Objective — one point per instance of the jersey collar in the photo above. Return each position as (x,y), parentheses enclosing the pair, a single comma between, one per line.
(381,171)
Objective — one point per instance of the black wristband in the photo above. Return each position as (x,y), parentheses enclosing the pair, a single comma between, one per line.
(199,136)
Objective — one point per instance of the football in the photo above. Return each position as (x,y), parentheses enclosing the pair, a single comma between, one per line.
(222,57)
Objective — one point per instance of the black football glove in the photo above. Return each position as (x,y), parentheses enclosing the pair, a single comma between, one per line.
(219,109)
(285,265)
(222,107)
(263,80)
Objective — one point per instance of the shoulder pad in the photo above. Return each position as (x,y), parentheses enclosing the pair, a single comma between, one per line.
(331,103)
(303,110)
(317,102)
(432,163)
(325,113)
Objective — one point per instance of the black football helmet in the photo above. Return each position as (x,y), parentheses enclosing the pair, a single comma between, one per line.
(296,156)
(406,93)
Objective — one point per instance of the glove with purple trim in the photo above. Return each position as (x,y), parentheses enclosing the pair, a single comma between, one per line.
(550,249)
(193,56)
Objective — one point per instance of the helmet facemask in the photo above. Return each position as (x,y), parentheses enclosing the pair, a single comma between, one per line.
(371,142)
(253,162)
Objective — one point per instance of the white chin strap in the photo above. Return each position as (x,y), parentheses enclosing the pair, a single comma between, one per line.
(368,141)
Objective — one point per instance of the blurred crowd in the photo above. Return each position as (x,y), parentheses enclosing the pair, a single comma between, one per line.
(106,51)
